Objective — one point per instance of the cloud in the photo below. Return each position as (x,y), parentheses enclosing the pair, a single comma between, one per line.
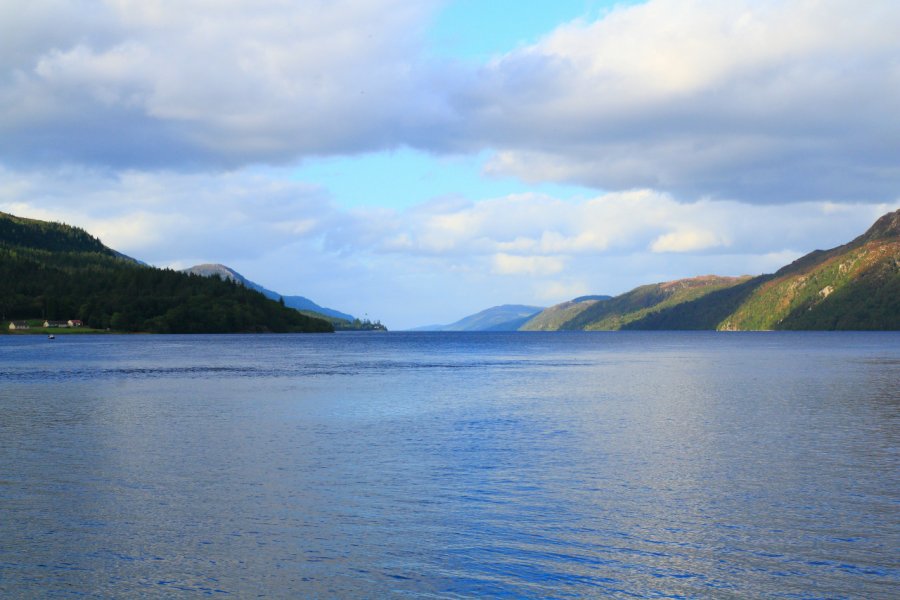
(194,83)
(170,218)
(689,240)
(550,292)
(765,102)
(611,224)
(510,264)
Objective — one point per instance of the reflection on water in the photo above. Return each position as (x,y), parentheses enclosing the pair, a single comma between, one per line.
(451,465)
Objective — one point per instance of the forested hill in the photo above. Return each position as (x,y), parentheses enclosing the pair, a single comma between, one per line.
(51,271)
(44,235)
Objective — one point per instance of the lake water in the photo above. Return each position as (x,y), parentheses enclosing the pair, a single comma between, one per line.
(442,465)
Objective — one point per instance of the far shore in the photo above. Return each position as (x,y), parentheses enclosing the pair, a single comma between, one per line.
(45,331)
(57,331)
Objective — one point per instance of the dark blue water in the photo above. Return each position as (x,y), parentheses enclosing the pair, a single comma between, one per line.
(629,465)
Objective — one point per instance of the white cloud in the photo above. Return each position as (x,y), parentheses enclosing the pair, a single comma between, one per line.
(689,240)
(166,218)
(510,264)
(763,101)
(612,224)
(195,82)
(551,292)
(766,101)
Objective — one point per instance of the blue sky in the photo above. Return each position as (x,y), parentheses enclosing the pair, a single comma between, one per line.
(418,162)
(405,177)
(465,30)
(478,30)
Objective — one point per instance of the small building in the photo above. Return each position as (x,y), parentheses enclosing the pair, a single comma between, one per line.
(55,324)
(19,325)
(75,323)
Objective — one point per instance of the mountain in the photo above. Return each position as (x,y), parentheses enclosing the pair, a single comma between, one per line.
(19,232)
(508,317)
(558,316)
(854,286)
(57,272)
(622,311)
(704,308)
(296,302)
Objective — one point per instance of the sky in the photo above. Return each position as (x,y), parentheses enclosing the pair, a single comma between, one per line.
(416,162)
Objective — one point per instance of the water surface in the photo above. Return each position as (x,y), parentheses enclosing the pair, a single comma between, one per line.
(442,465)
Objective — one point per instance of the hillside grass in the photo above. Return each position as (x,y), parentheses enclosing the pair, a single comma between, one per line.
(642,303)
(557,317)
(851,290)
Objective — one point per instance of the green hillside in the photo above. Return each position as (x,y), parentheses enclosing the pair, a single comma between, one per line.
(639,306)
(559,316)
(57,272)
(696,308)
(641,303)
(855,286)
(43,235)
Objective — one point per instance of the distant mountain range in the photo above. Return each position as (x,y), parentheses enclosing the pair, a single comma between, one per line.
(855,286)
(296,302)
(508,317)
